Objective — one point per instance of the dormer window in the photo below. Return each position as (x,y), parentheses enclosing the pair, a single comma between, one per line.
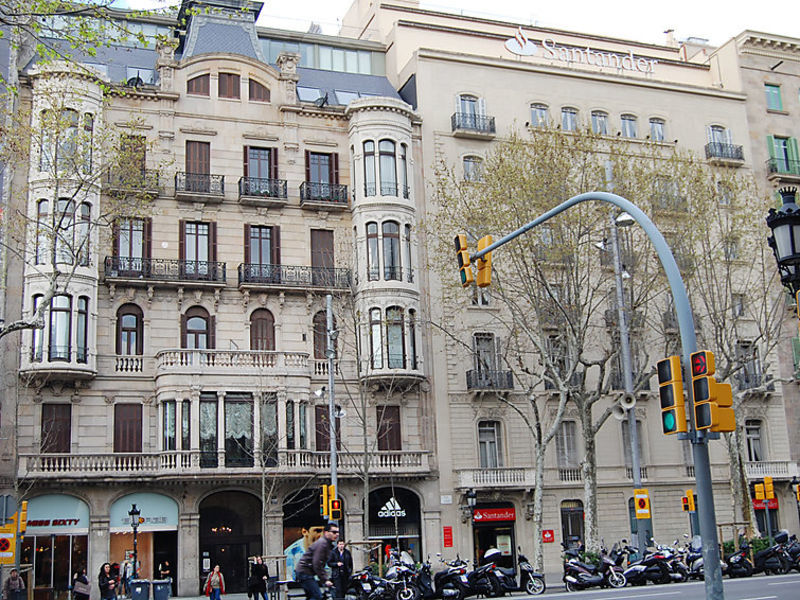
(229,86)
(199,85)
(258,92)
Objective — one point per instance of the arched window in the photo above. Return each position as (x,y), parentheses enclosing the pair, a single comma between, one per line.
(395,338)
(412,338)
(84,226)
(629,128)
(490,444)
(569,118)
(229,85)
(258,92)
(43,232)
(404,169)
(388,168)
(130,338)
(657,130)
(373,259)
(375,338)
(407,253)
(199,85)
(391,251)
(60,328)
(197,329)
(36,334)
(369,168)
(539,115)
(599,122)
(262,330)
(82,331)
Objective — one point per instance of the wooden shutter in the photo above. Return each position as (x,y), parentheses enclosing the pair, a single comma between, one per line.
(183,331)
(321,248)
(273,163)
(276,245)
(323,429)
(56,426)
(247,244)
(212,241)
(198,157)
(334,168)
(389,437)
(181,240)
(771,146)
(147,250)
(212,332)
(127,428)
(245,169)
(308,165)
(794,155)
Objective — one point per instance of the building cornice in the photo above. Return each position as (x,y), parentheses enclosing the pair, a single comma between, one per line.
(768,44)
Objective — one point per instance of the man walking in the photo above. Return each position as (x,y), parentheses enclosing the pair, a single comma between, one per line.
(313,563)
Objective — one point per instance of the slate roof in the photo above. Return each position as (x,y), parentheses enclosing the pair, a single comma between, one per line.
(329,81)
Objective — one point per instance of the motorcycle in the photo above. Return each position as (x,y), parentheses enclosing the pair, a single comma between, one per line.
(529,580)
(652,567)
(793,549)
(360,585)
(400,576)
(773,560)
(445,584)
(737,564)
(694,557)
(580,576)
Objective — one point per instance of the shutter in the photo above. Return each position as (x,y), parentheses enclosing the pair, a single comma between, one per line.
(245,165)
(709,134)
(334,168)
(308,165)
(181,240)
(212,241)
(119,335)
(771,146)
(482,107)
(147,251)
(115,241)
(183,331)
(276,245)
(794,155)
(212,332)
(728,136)
(247,244)
(273,163)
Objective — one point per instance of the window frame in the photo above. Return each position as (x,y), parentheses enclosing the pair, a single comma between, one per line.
(773,96)
(375,338)
(658,129)
(257,91)
(200,85)
(262,330)
(569,118)
(629,126)
(540,114)
(229,86)
(599,122)
(55,327)
(490,445)
(387,160)
(390,244)
(395,327)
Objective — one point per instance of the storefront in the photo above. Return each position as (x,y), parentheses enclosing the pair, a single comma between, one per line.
(760,507)
(394,519)
(156,536)
(493,527)
(55,544)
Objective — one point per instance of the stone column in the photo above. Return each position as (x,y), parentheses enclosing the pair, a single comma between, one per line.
(99,549)
(189,559)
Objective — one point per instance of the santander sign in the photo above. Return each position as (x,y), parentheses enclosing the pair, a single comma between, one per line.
(521,45)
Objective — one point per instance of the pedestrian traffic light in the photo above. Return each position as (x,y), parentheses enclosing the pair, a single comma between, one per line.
(690,498)
(323,501)
(759,488)
(685,504)
(642,503)
(712,400)
(462,258)
(335,511)
(769,490)
(484,264)
(670,389)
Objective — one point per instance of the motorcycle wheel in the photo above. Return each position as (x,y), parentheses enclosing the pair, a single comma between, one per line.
(409,592)
(496,589)
(535,586)
(748,568)
(460,591)
(571,587)
(616,579)
(665,576)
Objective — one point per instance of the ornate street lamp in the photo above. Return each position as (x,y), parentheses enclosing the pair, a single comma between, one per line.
(785,238)
(134,513)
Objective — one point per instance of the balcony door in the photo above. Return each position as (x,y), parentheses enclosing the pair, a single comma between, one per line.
(197,250)
(262,253)
(198,167)
(131,246)
(322,426)
(56,426)
(127,428)
(322,259)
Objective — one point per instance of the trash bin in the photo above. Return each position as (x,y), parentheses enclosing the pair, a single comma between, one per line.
(161,589)
(140,589)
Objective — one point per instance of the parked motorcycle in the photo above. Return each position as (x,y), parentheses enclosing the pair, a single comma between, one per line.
(400,577)
(737,564)
(694,557)
(793,549)
(580,576)
(773,560)
(445,584)
(652,567)
(529,580)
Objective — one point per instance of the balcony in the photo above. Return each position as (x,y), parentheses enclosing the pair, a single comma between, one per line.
(777,469)
(482,380)
(783,170)
(199,187)
(239,362)
(59,363)
(570,475)
(642,473)
(498,477)
(296,277)
(120,269)
(191,463)
(725,154)
(469,125)
(255,191)
(323,196)
(143,182)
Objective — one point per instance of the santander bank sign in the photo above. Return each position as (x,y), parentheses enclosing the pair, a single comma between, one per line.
(521,45)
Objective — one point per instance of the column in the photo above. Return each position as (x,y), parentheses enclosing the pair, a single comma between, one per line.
(99,548)
(189,559)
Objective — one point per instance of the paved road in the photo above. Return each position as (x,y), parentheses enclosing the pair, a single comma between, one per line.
(758,587)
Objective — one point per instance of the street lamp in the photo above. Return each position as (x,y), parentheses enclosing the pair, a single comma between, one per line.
(467,510)
(134,513)
(785,238)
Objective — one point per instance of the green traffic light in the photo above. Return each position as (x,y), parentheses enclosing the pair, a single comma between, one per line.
(668,421)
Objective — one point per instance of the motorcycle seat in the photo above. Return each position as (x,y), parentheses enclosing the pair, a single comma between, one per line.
(509,572)
(587,566)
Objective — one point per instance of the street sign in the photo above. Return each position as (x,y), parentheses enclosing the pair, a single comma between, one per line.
(548,536)
(642,503)
(447,536)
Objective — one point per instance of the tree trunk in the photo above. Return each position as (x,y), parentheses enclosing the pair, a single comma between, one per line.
(589,467)
(538,495)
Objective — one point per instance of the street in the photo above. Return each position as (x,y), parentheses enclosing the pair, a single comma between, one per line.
(759,587)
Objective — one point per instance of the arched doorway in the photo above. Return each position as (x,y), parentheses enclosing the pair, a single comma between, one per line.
(394,519)
(229,533)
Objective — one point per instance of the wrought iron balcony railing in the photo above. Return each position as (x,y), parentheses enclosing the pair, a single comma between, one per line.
(334,193)
(145,180)
(199,183)
(783,166)
(162,269)
(725,151)
(489,380)
(258,187)
(294,276)
(472,122)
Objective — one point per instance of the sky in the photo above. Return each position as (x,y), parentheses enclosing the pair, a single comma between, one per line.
(713,20)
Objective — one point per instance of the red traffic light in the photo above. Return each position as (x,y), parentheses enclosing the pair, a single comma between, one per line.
(702,363)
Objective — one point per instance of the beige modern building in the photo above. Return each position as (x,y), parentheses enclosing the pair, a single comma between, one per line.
(184,369)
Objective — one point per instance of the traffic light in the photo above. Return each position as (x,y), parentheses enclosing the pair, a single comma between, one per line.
(797,492)
(335,511)
(670,389)
(642,503)
(712,400)
(690,498)
(685,503)
(769,490)
(23,517)
(462,258)
(759,487)
(485,264)
(323,501)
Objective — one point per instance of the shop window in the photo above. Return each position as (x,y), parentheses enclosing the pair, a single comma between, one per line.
(489,445)
(389,437)
(127,428)
(56,428)
(572,523)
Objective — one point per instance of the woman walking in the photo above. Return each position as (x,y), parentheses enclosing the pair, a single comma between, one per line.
(215,584)
(80,586)
(107,583)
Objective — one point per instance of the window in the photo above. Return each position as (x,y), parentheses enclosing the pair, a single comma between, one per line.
(258,92)
(127,428)
(67,150)
(752,432)
(657,130)
(369,168)
(480,296)
(308,94)
(407,253)
(395,338)
(718,135)
(198,167)
(569,119)
(208,429)
(86,143)
(322,258)
(262,330)
(199,85)
(738,305)
(323,429)
(404,170)
(269,430)
(197,331)
(37,335)
(56,427)
(238,430)
(389,437)
(320,325)
(749,375)
(322,168)
(139,76)
(783,153)
(572,523)
(262,253)
(60,328)
(290,424)
(489,445)
(131,241)
(168,426)
(626,442)
(412,337)
(64,231)
(82,329)
(229,85)
(186,425)
(43,232)
(773,94)
(472,168)
(386,149)
(485,353)
(197,250)
(260,166)
(375,338)
(469,108)
(539,115)
(302,434)
(373,259)
(82,241)
(566,445)
(599,122)
(629,126)
(391,251)
(730,249)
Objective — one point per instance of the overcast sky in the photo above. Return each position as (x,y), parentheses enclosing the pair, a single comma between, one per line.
(711,19)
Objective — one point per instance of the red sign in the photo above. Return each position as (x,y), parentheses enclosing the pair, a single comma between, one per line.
(759,504)
(447,536)
(548,536)
(479,515)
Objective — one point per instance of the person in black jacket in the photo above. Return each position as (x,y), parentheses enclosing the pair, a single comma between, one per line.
(257,583)
(107,582)
(341,564)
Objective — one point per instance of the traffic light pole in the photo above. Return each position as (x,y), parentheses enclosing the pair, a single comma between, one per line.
(705,496)
(330,352)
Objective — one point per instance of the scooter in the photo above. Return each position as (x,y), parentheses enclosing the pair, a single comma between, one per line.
(737,564)
(694,557)
(773,560)
(445,584)
(653,567)
(580,576)
(529,580)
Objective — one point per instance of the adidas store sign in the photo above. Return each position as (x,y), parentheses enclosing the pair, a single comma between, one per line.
(391,509)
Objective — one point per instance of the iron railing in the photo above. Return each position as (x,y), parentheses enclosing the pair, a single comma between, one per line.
(728,151)
(257,187)
(199,183)
(785,166)
(294,276)
(334,193)
(472,122)
(489,380)
(162,269)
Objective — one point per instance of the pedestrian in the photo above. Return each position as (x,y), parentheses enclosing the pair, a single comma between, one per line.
(81,589)
(313,563)
(164,570)
(341,564)
(107,583)
(124,584)
(215,584)
(257,583)
(13,586)
(127,576)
